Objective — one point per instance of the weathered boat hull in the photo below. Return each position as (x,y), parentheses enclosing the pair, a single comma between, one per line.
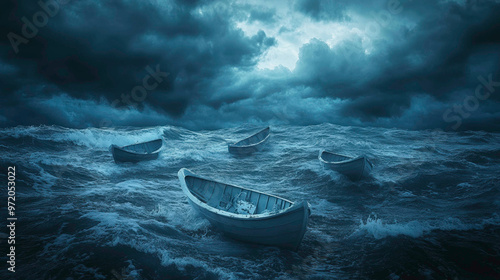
(246,150)
(120,155)
(251,144)
(285,229)
(353,168)
(137,152)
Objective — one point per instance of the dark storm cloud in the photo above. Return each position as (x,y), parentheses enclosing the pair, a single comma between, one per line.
(443,54)
(451,48)
(322,9)
(402,64)
(90,50)
(410,79)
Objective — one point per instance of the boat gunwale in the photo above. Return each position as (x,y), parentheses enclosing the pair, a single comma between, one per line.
(351,159)
(184,172)
(234,145)
(122,148)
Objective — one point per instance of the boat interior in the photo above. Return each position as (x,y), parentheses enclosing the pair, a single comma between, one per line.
(256,138)
(235,199)
(144,148)
(331,157)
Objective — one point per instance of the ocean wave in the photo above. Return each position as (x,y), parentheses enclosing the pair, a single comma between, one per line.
(100,138)
(140,211)
(378,229)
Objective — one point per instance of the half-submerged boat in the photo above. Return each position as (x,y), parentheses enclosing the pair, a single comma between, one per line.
(137,152)
(250,144)
(353,168)
(245,214)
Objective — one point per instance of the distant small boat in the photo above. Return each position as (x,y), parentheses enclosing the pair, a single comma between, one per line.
(353,168)
(250,144)
(245,214)
(137,152)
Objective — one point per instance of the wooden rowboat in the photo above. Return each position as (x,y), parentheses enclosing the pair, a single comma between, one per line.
(250,144)
(353,168)
(137,152)
(245,214)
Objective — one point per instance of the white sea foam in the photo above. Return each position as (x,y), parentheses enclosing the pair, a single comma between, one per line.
(185,217)
(379,229)
(171,252)
(465,185)
(43,181)
(324,208)
(90,137)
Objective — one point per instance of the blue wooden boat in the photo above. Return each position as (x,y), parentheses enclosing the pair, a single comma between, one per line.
(250,144)
(137,152)
(246,214)
(353,168)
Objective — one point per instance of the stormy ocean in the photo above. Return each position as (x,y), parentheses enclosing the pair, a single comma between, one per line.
(429,211)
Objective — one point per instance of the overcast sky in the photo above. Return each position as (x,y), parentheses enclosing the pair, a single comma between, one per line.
(210,64)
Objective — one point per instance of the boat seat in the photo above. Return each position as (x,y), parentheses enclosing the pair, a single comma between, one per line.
(242,205)
(226,202)
(245,207)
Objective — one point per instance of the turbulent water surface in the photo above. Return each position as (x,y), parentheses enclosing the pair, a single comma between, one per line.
(429,211)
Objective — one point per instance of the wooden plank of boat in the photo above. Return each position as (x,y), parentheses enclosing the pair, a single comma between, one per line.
(246,214)
(137,152)
(353,168)
(250,144)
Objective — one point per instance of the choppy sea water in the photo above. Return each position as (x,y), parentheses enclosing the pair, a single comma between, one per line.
(429,211)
